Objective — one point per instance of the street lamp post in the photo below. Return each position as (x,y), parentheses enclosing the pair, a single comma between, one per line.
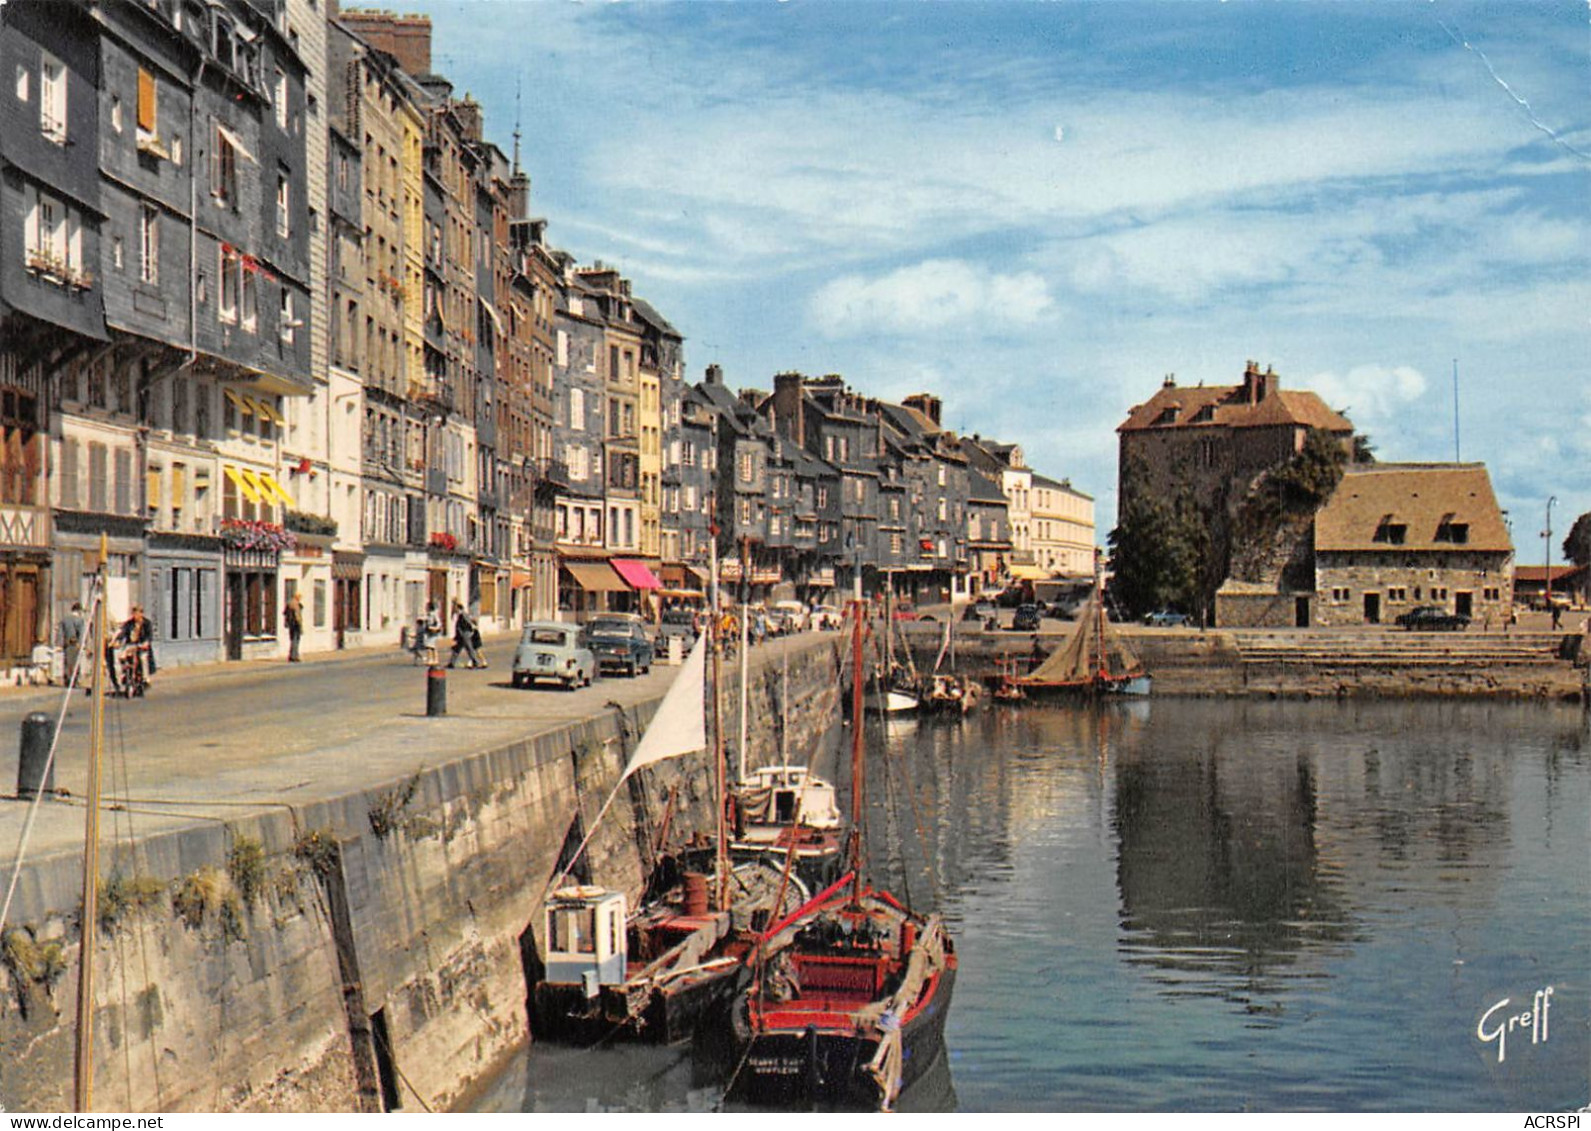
(1547,536)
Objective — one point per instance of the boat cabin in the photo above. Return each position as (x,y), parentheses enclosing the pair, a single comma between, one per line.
(787,795)
(586,942)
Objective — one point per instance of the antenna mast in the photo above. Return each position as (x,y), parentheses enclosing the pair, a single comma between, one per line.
(1456,457)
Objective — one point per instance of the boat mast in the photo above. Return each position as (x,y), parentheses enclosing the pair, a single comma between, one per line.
(858,721)
(719,762)
(745,650)
(83,1062)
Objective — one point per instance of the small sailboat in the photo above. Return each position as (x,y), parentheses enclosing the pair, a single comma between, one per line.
(894,689)
(847,997)
(945,692)
(1094,660)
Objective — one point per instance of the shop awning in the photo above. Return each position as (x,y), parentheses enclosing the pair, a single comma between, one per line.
(269,483)
(519,579)
(638,574)
(1030,573)
(595,577)
(266,409)
(250,492)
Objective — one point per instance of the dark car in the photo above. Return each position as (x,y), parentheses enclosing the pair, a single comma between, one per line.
(680,623)
(620,644)
(980,611)
(1166,618)
(1025,619)
(1429,618)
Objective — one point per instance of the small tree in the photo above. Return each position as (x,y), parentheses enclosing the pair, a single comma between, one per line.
(1577,543)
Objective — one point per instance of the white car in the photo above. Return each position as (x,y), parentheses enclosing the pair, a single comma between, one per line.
(826,617)
(794,615)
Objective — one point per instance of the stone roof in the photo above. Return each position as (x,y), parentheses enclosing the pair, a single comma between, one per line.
(1374,499)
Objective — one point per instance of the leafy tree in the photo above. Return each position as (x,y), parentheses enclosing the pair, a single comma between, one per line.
(1577,543)
(1159,552)
(1363,450)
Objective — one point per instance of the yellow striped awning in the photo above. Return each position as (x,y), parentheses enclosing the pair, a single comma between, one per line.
(249,490)
(252,478)
(241,403)
(268,482)
(268,410)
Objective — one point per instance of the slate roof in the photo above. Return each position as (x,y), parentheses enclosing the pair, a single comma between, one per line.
(1419,497)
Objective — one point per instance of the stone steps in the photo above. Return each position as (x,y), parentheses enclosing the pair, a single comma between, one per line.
(1409,649)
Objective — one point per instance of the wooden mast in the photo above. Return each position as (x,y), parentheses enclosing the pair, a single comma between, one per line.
(83,1061)
(720,768)
(858,726)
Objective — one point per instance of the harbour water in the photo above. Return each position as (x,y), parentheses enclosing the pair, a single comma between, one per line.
(1213,905)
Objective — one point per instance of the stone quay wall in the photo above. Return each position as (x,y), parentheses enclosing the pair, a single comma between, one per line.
(367,951)
(1311,663)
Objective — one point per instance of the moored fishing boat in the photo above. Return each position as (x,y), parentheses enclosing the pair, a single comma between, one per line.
(655,973)
(846,998)
(787,808)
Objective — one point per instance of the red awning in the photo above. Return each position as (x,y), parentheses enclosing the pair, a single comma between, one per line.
(636,574)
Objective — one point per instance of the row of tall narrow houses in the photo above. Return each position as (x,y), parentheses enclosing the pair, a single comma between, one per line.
(277,321)
(1351,541)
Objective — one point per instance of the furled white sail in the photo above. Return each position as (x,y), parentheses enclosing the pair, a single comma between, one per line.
(680,725)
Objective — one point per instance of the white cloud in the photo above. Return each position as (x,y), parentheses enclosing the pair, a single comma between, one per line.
(1371,395)
(933,295)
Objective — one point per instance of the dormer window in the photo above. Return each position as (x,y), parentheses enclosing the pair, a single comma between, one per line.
(1168,415)
(1205,414)
(1453,533)
(1390,532)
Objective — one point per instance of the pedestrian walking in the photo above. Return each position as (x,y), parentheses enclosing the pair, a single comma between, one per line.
(71,641)
(293,618)
(466,638)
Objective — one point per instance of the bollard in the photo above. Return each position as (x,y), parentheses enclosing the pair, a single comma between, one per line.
(34,772)
(435,692)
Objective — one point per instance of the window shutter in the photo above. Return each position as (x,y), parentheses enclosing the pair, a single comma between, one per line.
(146,101)
(124,481)
(96,478)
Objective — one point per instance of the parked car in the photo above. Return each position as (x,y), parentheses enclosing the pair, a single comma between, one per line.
(620,644)
(980,611)
(1166,618)
(793,614)
(1013,596)
(1432,619)
(551,651)
(826,617)
(676,624)
(1025,619)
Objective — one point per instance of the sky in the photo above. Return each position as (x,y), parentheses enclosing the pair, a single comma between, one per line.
(1039,210)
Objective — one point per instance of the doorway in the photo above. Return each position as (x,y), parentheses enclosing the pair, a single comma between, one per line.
(1372,608)
(1301,612)
(1464,604)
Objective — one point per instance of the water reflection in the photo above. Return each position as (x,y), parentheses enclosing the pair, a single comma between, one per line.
(1210,906)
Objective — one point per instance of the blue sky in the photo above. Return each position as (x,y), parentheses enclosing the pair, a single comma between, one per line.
(1038,210)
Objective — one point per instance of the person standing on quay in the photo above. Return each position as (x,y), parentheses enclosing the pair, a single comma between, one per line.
(293,618)
(71,641)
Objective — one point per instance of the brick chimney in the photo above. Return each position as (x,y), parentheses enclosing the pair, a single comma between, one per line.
(715,374)
(788,417)
(925,403)
(470,118)
(406,38)
(1256,385)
